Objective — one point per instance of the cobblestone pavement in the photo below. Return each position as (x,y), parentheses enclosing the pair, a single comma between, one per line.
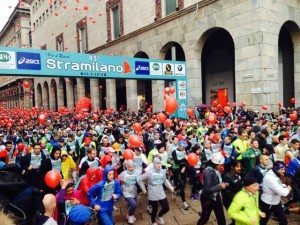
(176,215)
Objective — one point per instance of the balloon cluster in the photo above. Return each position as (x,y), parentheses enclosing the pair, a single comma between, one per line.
(171,103)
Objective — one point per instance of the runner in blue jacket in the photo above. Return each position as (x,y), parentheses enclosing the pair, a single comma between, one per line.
(103,195)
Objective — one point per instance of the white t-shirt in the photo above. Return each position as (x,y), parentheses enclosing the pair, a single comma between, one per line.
(50,221)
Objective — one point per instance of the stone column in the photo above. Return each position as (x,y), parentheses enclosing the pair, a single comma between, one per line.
(131,95)
(256,69)
(27,98)
(111,98)
(52,100)
(80,88)
(94,86)
(60,95)
(158,87)
(296,42)
(70,95)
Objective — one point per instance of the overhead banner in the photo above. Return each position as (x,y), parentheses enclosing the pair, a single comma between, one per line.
(30,62)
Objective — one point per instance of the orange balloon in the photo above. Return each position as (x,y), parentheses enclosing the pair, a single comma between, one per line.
(134,141)
(128,154)
(52,178)
(293,100)
(168,123)
(171,105)
(227,109)
(172,90)
(214,103)
(161,117)
(26,84)
(137,127)
(190,112)
(192,159)
(293,116)
(264,107)
(212,118)
(42,118)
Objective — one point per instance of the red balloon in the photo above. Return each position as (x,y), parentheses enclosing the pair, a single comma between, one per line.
(190,112)
(137,127)
(26,84)
(42,118)
(134,141)
(128,154)
(172,90)
(264,107)
(192,159)
(86,7)
(168,123)
(212,118)
(293,100)
(293,116)
(95,117)
(161,117)
(171,105)
(21,146)
(214,103)
(8,125)
(227,109)
(52,178)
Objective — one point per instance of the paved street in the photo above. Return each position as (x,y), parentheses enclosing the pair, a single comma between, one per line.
(176,215)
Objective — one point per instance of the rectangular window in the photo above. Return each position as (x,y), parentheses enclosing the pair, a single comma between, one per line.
(116,22)
(60,42)
(83,39)
(44,18)
(170,6)
(47,13)
(82,36)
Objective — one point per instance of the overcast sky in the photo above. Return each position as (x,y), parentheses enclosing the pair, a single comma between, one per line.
(6,8)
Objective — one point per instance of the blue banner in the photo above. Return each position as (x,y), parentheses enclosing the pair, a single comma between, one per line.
(42,63)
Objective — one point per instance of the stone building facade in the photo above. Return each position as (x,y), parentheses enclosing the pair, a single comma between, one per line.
(16,33)
(237,50)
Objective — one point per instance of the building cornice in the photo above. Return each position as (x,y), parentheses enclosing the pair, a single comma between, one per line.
(155,24)
(13,16)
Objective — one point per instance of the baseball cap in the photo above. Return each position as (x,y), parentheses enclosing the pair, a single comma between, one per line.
(182,143)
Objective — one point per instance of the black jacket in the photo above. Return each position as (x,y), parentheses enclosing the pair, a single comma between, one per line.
(235,184)
(211,184)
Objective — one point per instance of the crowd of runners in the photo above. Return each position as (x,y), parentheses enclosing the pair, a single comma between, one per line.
(248,163)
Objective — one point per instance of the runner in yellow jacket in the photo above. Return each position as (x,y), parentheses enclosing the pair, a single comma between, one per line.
(244,209)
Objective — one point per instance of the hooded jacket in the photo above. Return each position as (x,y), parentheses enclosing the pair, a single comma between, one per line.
(101,193)
(244,207)
(90,179)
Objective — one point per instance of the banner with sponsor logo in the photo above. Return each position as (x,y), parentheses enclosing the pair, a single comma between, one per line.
(30,62)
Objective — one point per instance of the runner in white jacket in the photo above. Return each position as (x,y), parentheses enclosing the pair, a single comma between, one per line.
(273,190)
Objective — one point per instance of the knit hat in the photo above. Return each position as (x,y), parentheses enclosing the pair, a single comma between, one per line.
(249,181)
(79,214)
(277,166)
